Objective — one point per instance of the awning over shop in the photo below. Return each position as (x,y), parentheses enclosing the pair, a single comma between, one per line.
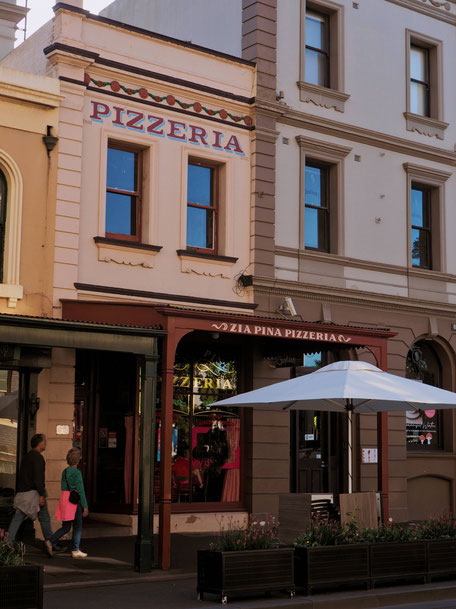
(179,321)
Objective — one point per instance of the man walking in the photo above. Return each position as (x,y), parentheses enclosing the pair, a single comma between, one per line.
(30,500)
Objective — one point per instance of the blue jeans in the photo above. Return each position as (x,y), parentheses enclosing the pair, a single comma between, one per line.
(66,526)
(19,517)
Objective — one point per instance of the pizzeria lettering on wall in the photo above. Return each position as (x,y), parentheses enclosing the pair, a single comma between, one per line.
(157,126)
(256,330)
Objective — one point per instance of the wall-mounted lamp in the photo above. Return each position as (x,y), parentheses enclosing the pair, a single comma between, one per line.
(34,405)
(287,307)
(49,140)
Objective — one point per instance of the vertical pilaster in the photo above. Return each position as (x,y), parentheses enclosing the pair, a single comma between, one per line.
(259,44)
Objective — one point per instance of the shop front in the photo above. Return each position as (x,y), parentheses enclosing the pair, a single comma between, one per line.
(212,460)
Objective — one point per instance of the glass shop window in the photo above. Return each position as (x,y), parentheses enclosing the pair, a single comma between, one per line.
(424,426)
(9,419)
(206,439)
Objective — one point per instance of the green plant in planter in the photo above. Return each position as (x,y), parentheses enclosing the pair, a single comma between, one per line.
(389,533)
(10,555)
(261,533)
(441,527)
(322,532)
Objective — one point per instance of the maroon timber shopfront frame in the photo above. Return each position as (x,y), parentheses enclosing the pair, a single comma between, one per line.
(186,326)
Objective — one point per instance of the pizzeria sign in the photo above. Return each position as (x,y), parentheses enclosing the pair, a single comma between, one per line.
(275,332)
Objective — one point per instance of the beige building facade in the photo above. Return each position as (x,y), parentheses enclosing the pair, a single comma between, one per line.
(29,110)
(353,191)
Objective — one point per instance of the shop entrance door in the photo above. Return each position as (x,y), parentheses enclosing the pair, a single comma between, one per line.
(106,429)
(318,450)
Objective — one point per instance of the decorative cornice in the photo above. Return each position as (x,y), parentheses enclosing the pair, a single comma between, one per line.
(144,94)
(128,244)
(142,72)
(204,256)
(327,149)
(35,97)
(365,265)
(290,116)
(351,297)
(427,173)
(104,289)
(438,9)
(425,125)
(322,96)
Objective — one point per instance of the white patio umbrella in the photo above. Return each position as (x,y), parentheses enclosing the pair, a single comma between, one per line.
(346,386)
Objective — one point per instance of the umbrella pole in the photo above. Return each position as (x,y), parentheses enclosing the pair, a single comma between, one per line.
(349,407)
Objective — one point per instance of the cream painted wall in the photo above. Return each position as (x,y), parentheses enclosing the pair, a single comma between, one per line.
(81,163)
(374,188)
(165,168)
(28,104)
(374,66)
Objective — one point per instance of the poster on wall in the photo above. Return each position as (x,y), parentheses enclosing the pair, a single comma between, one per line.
(112,439)
(422,429)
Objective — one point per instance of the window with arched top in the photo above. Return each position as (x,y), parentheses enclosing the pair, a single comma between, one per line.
(424,426)
(11,190)
(3,204)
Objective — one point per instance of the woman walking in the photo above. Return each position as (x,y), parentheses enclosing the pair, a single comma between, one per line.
(72,507)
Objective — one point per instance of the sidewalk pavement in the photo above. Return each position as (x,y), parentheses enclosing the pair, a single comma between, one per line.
(106,579)
(110,560)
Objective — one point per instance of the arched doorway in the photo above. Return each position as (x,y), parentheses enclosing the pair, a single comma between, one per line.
(424,427)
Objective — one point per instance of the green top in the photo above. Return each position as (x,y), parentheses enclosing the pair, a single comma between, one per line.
(74,477)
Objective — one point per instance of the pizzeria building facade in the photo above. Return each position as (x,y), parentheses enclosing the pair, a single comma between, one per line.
(165,219)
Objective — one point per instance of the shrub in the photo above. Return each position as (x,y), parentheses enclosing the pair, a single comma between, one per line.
(10,555)
(440,527)
(331,533)
(261,533)
(323,532)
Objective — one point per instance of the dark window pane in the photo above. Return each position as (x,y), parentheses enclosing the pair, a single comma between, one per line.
(2,198)
(418,64)
(419,99)
(420,248)
(315,186)
(200,227)
(316,31)
(315,229)
(424,427)
(199,185)
(121,171)
(316,69)
(120,214)
(9,418)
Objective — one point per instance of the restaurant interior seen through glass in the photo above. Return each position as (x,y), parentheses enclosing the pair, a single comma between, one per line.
(205,438)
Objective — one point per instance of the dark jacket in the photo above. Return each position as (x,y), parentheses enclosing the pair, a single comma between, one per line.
(31,473)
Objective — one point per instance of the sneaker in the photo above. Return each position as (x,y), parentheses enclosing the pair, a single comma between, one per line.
(78,554)
(59,549)
(48,547)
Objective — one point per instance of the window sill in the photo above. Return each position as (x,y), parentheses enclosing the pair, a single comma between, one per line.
(204,256)
(202,264)
(425,125)
(13,292)
(129,253)
(322,96)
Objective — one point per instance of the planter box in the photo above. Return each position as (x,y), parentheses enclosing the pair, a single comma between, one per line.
(347,564)
(441,557)
(21,587)
(398,560)
(237,573)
